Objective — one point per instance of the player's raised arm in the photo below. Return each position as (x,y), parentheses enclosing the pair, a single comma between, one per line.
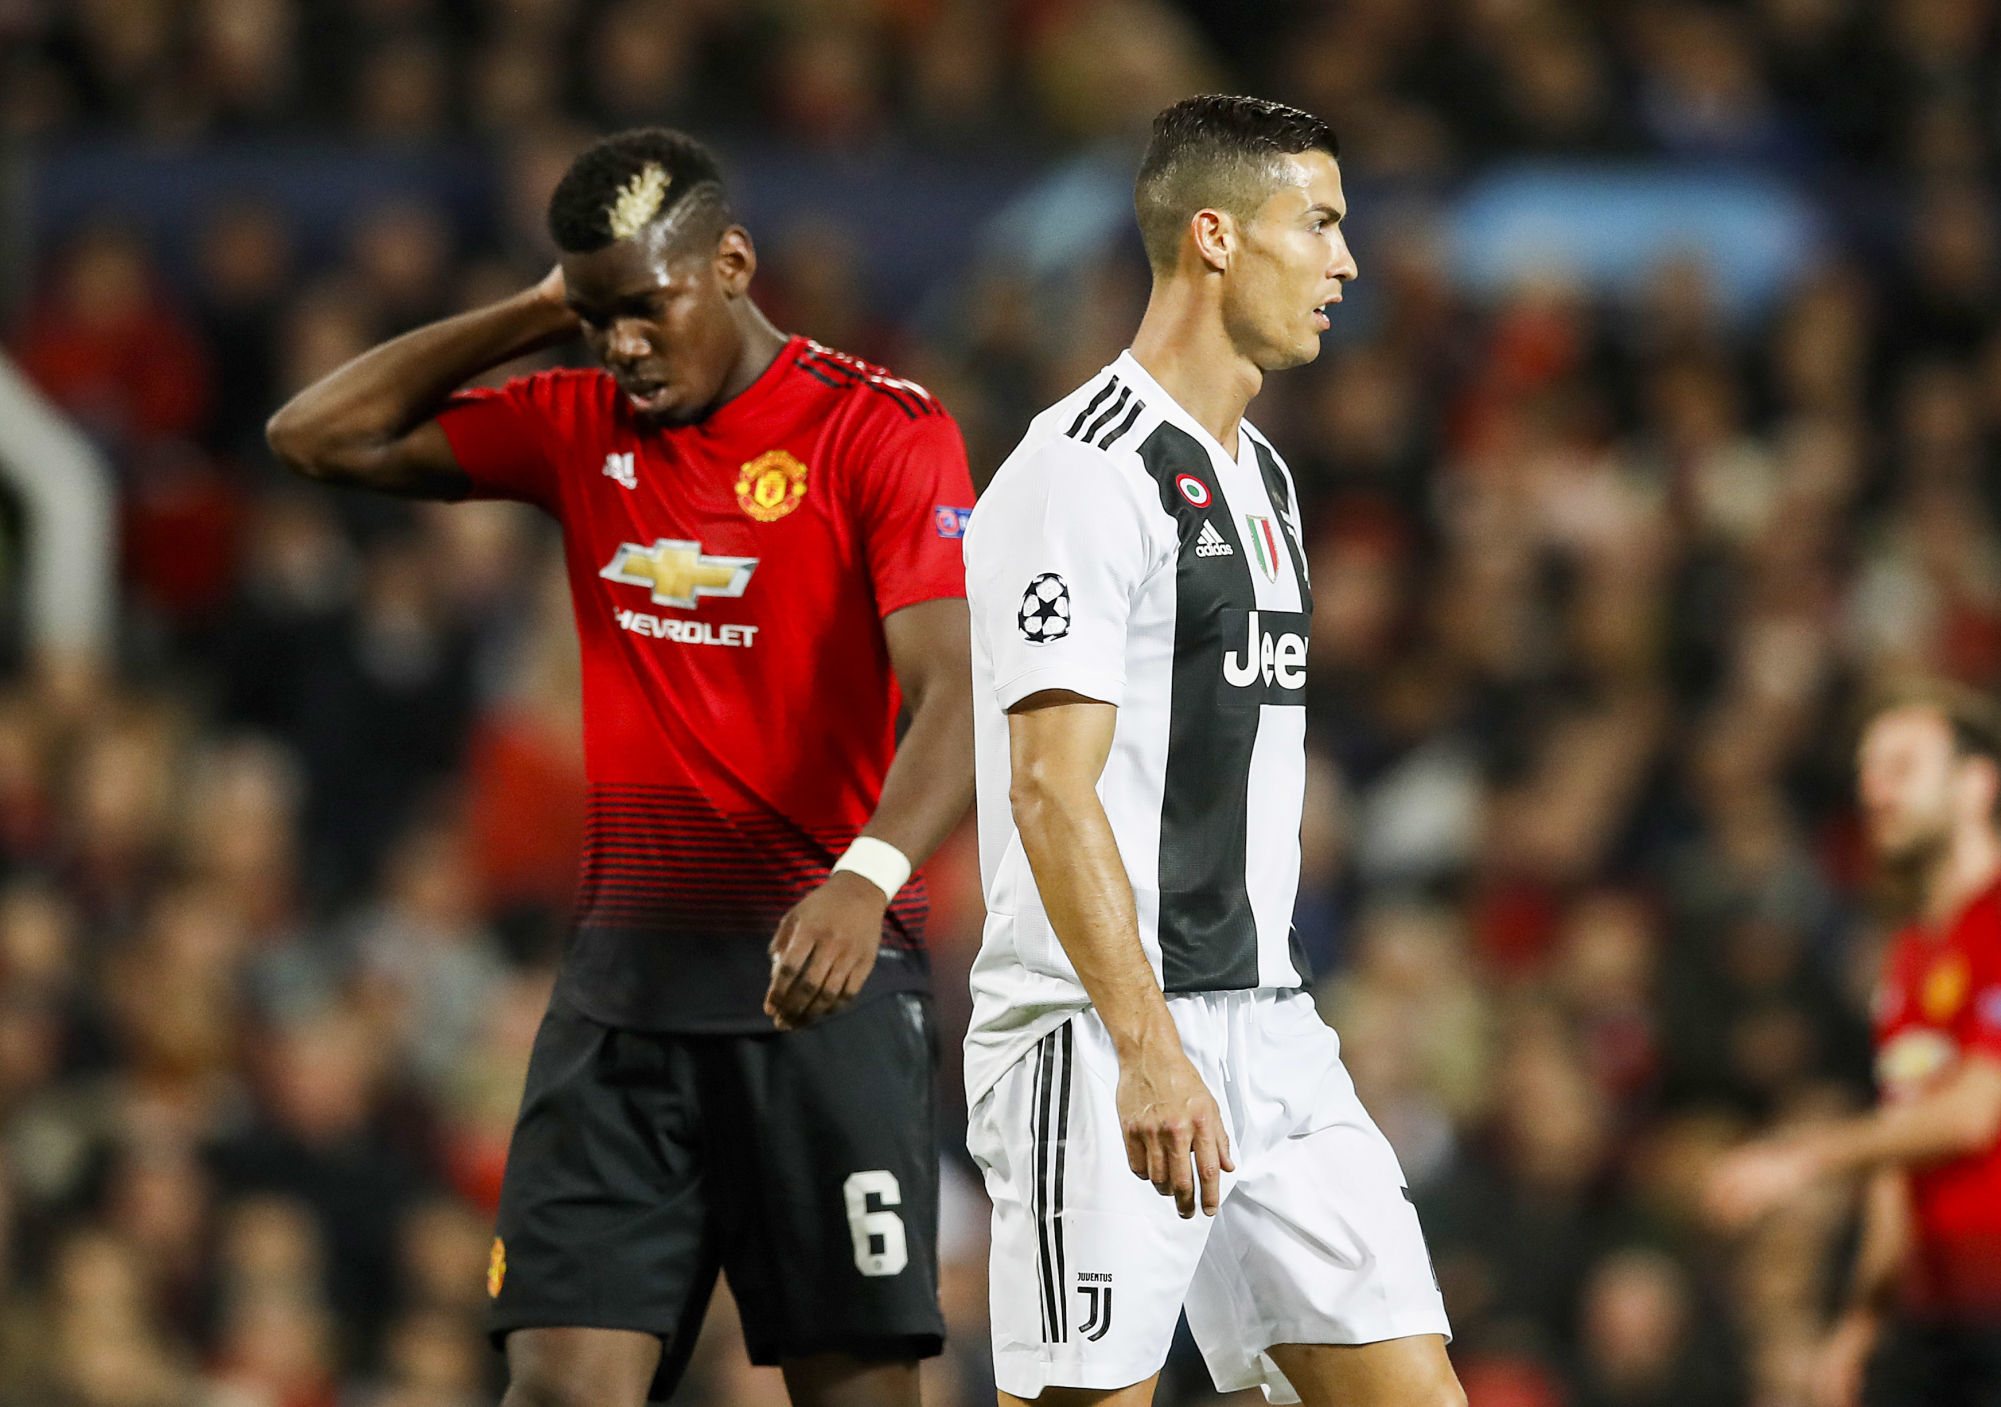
(371,423)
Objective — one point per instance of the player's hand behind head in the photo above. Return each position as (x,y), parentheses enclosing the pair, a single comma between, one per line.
(1174,1130)
(824,950)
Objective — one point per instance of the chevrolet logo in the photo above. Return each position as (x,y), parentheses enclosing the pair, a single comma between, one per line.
(678,572)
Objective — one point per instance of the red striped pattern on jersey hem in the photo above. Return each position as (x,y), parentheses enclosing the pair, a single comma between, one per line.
(667,858)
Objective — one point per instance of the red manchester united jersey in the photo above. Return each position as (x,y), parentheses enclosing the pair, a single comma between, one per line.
(1939,1002)
(730,579)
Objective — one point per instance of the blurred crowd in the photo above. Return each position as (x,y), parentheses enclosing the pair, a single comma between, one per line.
(283,880)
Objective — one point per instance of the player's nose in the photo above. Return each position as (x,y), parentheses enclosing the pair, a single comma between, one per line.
(626,341)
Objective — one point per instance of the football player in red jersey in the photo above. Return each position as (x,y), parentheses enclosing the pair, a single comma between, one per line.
(763,547)
(1929,1261)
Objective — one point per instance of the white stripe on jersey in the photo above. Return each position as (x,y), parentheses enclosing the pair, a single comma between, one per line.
(1121,554)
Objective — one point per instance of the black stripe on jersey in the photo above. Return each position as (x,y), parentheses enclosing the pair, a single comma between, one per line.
(1125,394)
(1088,411)
(1208,932)
(834,370)
(1287,508)
(824,377)
(838,373)
(1113,438)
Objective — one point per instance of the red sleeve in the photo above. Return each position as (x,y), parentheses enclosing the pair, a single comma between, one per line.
(916,494)
(1981,1030)
(496,434)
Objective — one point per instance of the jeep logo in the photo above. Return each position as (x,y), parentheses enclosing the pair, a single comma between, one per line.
(1264,657)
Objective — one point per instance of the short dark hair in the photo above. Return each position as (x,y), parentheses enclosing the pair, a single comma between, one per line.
(634,179)
(1973,716)
(1216,152)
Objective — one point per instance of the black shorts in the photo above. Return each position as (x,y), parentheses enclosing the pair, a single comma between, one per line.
(1930,1363)
(804,1164)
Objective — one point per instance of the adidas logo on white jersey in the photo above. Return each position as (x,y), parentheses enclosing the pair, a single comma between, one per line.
(1209,542)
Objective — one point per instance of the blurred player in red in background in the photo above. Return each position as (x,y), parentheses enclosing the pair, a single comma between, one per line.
(1929,1262)
(764,557)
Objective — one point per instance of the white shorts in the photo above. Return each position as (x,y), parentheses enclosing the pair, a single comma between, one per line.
(1315,1241)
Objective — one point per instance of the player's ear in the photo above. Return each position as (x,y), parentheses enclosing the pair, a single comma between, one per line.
(736,260)
(1212,235)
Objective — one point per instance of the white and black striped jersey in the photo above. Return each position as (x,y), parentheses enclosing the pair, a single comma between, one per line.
(1122,554)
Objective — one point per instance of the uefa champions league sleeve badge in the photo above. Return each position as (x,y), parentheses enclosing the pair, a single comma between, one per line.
(1045,610)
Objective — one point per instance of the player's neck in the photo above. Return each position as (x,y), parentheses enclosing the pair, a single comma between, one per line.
(761,343)
(1183,345)
(1969,866)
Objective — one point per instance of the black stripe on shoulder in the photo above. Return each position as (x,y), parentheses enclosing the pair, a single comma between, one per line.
(1112,436)
(845,373)
(824,377)
(1088,411)
(1125,395)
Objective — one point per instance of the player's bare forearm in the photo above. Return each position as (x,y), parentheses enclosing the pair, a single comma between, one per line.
(930,781)
(368,423)
(1960,1117)
(826,946)
(1058,743)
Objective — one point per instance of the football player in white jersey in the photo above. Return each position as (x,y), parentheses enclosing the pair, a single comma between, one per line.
(1140,608)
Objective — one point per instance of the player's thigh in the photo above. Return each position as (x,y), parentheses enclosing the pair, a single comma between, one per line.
(1318,1244)
(1088,1264)
(1406,1372)
(1136,1395)
(823,1152)
(603,1221)
(554,1367)
(843,1380)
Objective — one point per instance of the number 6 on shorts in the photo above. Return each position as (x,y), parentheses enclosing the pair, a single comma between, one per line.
(870,1226)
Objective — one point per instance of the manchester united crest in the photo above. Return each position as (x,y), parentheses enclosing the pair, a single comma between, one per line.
(1945,989)
(770,486)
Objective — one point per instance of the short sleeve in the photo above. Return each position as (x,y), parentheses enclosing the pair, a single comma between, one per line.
(496,436)
(1981,1030)
(1057,552)
(916,496)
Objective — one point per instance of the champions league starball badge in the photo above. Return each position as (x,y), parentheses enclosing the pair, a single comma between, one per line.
(1045,610)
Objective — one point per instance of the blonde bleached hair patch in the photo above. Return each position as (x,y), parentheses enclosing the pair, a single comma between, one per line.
(638,201)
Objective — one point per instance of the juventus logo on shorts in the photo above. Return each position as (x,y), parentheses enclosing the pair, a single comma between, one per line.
(1097,1304)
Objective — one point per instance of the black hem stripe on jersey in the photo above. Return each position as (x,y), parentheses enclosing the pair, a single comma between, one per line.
(1088,411)
(1208,932)
(1113,438)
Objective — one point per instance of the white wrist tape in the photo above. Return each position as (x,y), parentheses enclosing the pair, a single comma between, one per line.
(878,862)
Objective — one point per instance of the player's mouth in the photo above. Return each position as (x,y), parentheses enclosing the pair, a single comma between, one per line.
(645,396)
(1321,322)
